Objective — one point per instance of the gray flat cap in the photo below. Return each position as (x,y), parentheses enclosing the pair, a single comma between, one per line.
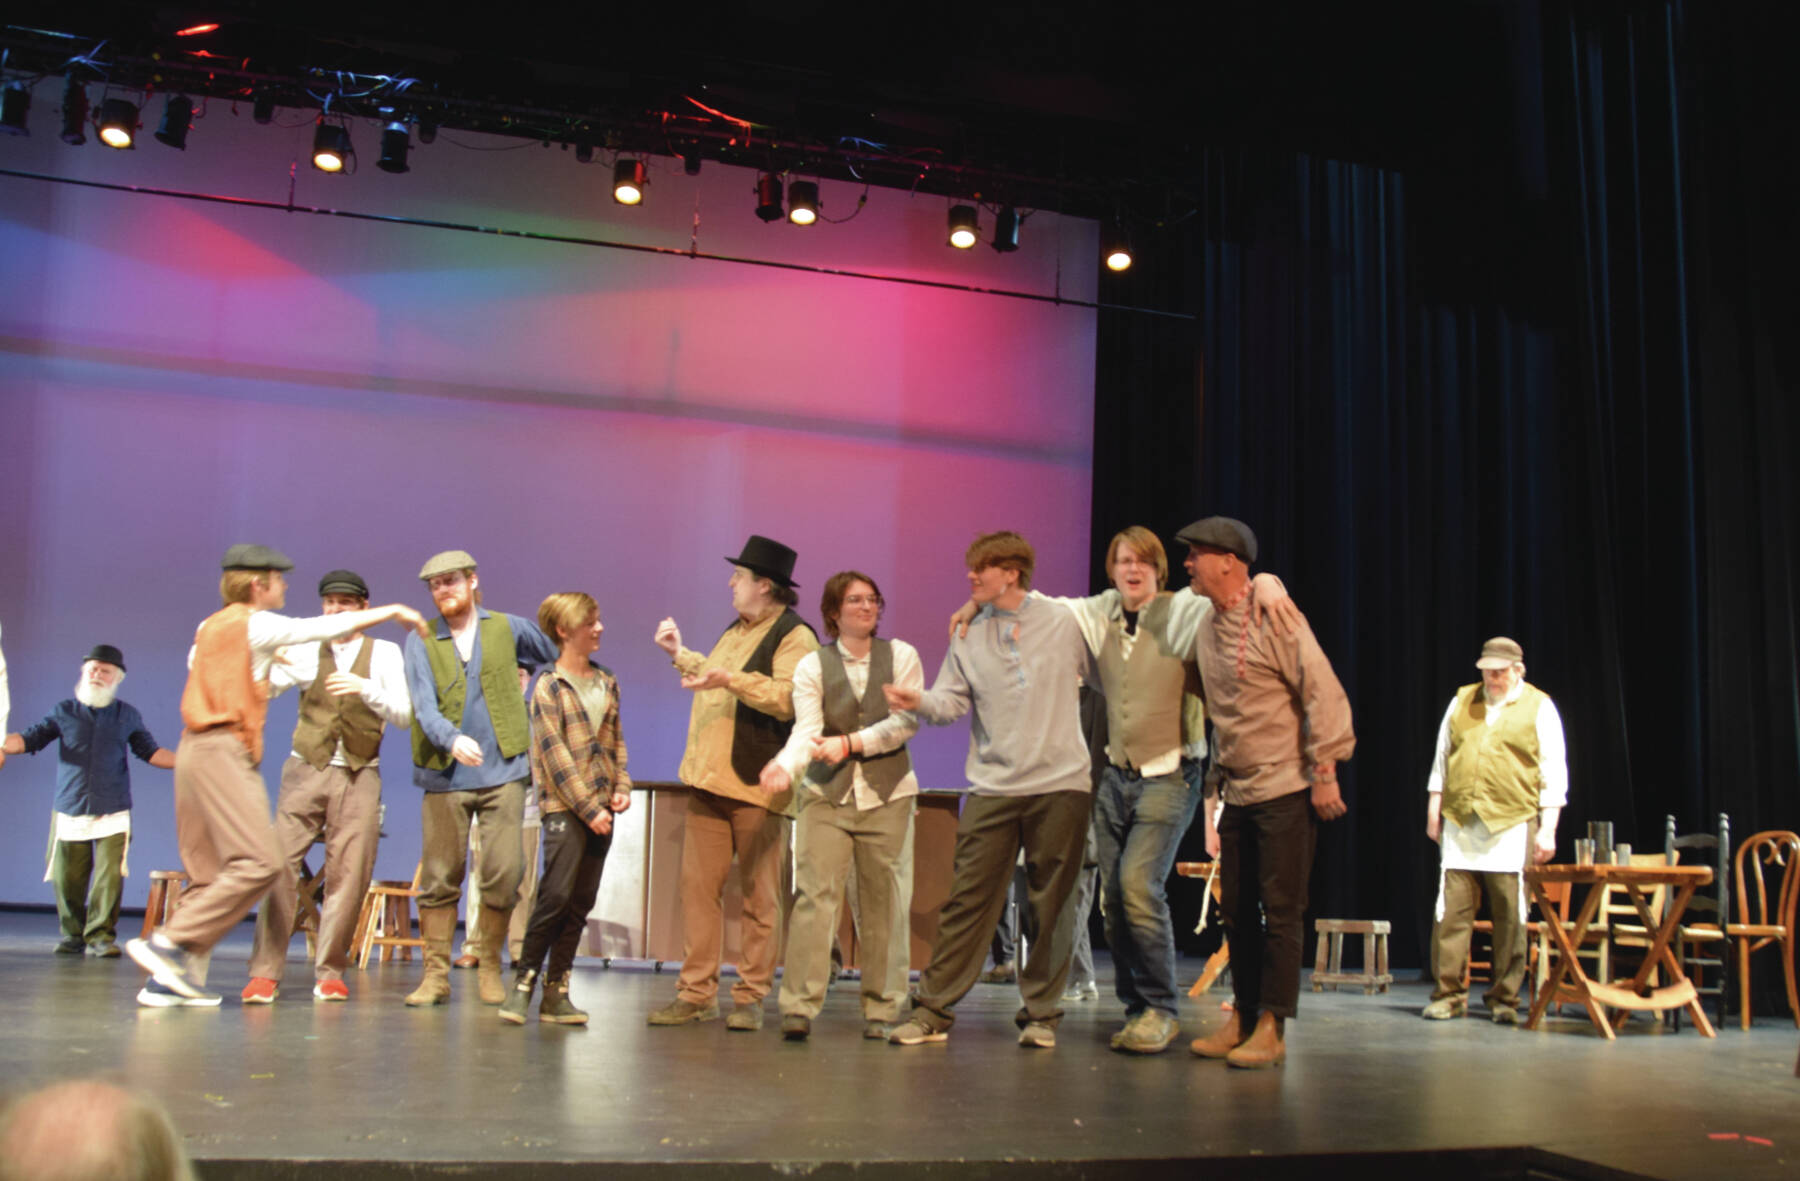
(444,563)
(255,557)
(1224,533)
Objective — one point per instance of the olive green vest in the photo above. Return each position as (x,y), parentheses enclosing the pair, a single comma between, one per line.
(499,685)
(844,714)
(1143,691)
(1493,771)
(326,720)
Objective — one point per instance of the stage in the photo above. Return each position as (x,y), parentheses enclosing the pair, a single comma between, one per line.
(373,1089)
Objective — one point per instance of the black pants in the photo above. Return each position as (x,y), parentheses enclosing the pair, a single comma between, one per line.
(1268,853)
(573,859)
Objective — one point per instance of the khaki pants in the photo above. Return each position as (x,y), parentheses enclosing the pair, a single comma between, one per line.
(346,806)
(1450,935)
(716,828)
(445,817)
(222,829)
(830,840)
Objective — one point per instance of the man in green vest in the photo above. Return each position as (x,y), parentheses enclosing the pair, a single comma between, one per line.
(470,741)
(1498,784)
(353,687)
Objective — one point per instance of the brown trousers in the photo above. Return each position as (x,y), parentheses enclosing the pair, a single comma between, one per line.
(345,805)
(716,827)
(444,817)
(222,829)
(1450,935)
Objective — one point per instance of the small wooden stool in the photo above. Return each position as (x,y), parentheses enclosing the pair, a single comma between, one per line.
(1220,959)
(386,921)
(166,888)
(1328,968)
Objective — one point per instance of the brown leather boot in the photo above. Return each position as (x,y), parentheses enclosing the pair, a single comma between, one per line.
(1263,1048)
(437,924)
(1220,1041)
(494,925)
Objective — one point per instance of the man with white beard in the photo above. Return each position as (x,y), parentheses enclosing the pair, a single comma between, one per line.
(94,732)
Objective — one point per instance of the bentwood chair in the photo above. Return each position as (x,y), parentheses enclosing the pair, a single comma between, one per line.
(1767,915)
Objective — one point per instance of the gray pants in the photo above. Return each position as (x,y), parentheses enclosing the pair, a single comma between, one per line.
(444,817)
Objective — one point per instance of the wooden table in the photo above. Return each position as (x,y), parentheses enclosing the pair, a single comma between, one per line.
(1596,995)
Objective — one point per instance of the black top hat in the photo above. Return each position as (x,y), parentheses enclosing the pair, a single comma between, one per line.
(107,654)
(769,558)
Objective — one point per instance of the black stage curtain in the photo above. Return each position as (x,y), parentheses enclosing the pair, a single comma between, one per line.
(1533,385)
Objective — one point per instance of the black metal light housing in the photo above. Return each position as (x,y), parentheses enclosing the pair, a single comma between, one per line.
(178,112)
(964,226)
(74,111)
(118,123)
(628,181)
(395,141)
(1006,230)
(331,148)
(15,104)
(803,202)
(768,197)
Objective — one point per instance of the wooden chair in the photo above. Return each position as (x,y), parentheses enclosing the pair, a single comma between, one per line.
(1481,935)
(166,889)
(1766,919)
(1220,959)
(1700,945)
(386,920)
(1625,929)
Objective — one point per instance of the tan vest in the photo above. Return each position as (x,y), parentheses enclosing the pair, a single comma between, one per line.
(326,720)
(220,691)
(1493,771)
(1143,691)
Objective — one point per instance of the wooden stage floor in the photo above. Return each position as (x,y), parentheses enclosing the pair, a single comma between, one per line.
(379,1090)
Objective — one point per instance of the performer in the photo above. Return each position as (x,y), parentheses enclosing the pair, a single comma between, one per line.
(91,826)
(743,713)
(1020,669)
(578,764)
(857,797)
(331,783)
(470,740)
(5,701)
(1281,724)
(1499,774)
(221,805)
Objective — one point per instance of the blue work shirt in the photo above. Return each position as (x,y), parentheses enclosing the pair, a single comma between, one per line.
(531,649)
(93,777)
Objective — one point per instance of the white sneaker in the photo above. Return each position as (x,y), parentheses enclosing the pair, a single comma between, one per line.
(156,995)
(1038,1036)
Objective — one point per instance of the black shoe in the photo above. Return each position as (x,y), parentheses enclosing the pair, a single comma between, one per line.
(70,946)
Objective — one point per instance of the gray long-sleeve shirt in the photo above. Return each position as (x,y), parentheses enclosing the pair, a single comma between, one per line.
(1020,672)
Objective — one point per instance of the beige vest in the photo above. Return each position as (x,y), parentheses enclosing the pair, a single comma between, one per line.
(1143,691)
(326,720)
(1492,771)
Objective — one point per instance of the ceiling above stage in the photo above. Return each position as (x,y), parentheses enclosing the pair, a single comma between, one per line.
(1101,112)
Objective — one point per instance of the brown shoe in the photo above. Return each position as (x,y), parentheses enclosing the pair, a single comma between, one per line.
(436,925)
(1263,1048)
(488,981)
(1221,1041)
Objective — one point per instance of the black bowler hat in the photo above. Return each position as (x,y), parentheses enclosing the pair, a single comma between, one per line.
(768,558)
(343,582)
(106,654)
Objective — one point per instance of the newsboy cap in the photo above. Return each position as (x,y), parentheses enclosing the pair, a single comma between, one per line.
(255,557)
(1500,652)
(106,654)
(1224,533)
(444,563)
(343,582)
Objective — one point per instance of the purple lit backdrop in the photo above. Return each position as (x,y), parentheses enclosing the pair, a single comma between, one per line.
(176,376)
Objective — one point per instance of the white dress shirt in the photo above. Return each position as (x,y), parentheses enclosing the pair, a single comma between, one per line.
(890,733)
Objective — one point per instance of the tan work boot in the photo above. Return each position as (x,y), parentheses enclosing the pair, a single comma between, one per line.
(494,925)
(1263,1048)
(1221,1041)
(436,926)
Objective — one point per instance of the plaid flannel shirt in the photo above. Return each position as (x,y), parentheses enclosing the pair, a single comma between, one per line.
(576,767)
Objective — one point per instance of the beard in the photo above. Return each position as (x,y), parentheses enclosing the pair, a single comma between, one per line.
(96,696)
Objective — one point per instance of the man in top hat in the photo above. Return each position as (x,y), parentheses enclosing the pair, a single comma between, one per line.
(1281,725)
(94,731)
(353,687)
(471,742)
(1498,784)
(743,713)
(221,805)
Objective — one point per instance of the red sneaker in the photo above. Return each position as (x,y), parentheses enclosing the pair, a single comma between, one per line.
(330,990)
(260,991)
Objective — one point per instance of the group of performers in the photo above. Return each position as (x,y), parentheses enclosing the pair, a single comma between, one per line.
(790,743)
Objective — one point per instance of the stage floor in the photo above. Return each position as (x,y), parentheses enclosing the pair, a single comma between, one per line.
(272,1091)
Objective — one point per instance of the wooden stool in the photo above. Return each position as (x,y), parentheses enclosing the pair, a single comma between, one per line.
(166,888)
(386,921)
(1328,968)
(1220,959)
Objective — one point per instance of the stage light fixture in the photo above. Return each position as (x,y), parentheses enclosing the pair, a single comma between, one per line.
(74,112)
(118,123)
(963,226)
(428,126)
(1117,249)
(178,112)
(394,144)
(768,197)
(262,109)
(691,158)
(15,103)
(331,147)
(1006,230)
(584,151)
(803,202)
(628,181)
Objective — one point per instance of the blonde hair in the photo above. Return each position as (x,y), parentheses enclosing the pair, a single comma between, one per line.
(565,609)
(235,585)
(1006,550)
(1148,546)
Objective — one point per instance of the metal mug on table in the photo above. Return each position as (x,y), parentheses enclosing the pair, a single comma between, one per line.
(1601,833)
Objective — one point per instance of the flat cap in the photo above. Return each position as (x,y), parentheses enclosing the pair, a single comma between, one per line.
(106,654)
(343,582)
(1224,533)
(255,557)
(1500,652)
(444,563)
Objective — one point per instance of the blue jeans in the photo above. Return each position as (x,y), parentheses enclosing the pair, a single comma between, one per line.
(1138,825)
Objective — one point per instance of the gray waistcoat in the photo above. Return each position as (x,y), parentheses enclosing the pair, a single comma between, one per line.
(844,714)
